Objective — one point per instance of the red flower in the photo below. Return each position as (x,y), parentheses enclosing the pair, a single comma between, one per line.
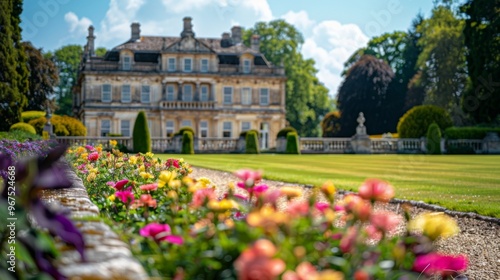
(93,156)
(120,184)
(160,232)
(348,240)
(256,263)
(376,190)
(444,265)
(172,162)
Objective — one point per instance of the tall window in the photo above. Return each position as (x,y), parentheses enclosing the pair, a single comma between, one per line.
(145,94)
(264,96)
(171,64)
(203,129)
(228,95)
(125,127)
(246,96)
(127,62)
(246,66)
(204,65)
(227,128)
(106,93)
(170,128)
(126,97)
(170,92)
(188,64)
(187,93)
(105,127)
(204,93)
(245,126)
(186,123)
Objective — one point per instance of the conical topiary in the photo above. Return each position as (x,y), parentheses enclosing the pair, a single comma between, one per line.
(433,139)
(141,136)
(187,143)
(252,144)
(292,143)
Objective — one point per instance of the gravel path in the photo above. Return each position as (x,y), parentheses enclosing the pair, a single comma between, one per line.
(479,238)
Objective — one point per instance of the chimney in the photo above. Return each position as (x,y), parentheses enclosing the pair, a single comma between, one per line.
(255,45)
(187,31)
(225,42)
(136,31)
(236,34)
(90,42)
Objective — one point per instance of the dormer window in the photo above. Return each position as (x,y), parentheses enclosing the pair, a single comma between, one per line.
(188,64)
(127,62)
(246,66)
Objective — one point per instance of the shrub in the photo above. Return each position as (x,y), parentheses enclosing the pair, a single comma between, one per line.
(414,123)
(19,135)
(24,127)
(434,139)
(469,132)
(292,143)
(62,126)
(31,115)
(141,136)
(331,124)
(460,150)
(187,143)
(243,134)
(252,144)
(283,132)
(183,129)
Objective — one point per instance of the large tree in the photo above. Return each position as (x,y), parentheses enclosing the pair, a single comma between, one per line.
(13,71)
(307,99)
(364,89)
(482,39)
(42,78)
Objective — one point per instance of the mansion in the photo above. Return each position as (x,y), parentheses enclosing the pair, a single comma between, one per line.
(217,86)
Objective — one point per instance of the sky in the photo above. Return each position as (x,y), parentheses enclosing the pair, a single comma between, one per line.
(332,29)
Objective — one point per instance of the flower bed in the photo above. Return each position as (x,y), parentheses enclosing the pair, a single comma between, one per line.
(179,227)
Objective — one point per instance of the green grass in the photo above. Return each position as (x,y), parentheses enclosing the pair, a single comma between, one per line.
(468,183)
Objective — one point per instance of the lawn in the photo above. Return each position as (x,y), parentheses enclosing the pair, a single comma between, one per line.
(469,183)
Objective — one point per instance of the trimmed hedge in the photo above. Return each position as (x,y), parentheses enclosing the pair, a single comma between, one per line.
(23,127)
(62,125)
(187,143)
(292,143)
(27,116)
(433,139)
(252,142)
(243,134)
(415,122)
(284,132)
(183,129)
(19,135)
(140,135)
(469,132)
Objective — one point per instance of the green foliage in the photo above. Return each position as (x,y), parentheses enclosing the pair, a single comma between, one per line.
(243,134)
(24,127)
(292,143)
(252,142)
(27,116)
(187,143)
(284,131)
(459,150)
(100,51)
(184,129)
(62,125)
(433,139)
(331,124)
(414,123)
(469,132)
(141,135)
(19,135)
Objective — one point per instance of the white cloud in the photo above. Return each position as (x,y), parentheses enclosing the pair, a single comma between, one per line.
(299,19)
(118,18)
(77,27)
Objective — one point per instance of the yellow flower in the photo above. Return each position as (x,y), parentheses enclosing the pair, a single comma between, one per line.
(84,155)
(70,151)
(328,188)
(267,218)
(142,168)
(91,177)
(166,177)
(223,205)
(99,148)
(111,197)
(113,143)
(290,192)
(146,175)
(172,194)
(80,150)
(132,159)
(329,274)
(149,154)
(434,225)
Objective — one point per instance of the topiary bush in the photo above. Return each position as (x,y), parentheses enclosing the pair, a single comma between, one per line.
(187,143)
(292,143)
(63,125)
(414,123)
(284,132)
(252,142)
(433,139)
(23,127)
(330,125)
(183,129)
(469,132)
(243,134)
(31,115)
(141,137)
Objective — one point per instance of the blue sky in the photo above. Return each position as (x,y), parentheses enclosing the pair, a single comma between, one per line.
(332,29)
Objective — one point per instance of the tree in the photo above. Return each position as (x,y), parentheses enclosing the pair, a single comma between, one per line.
(101,51)
(307,99)
(481,32)
(42,79)
(13,71)
(364,89)
(67,59)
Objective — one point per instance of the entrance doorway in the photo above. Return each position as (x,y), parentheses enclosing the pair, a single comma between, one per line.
(264,136)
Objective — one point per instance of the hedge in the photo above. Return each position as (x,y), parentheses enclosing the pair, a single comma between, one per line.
(469,132)
(183,129)
(27,116)
(433,139)
(414,123)
(243,134)
(140,136)
(252,142)
(284,132)
(292,143)
(23,127)
(187,143)
(62,126)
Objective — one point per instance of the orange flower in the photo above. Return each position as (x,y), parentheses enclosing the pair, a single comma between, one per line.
(360,208)
(268,218)
(256,263)
(376,190)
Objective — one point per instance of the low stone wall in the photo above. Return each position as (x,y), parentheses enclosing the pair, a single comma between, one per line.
(107,256)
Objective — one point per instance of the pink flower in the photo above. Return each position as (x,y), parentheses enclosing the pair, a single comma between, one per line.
(322,206)
(125,196)
(149,187)
(172,162)
(242,197)
(147,199)
(348,240)
(259,189)
(120,184)
(160,232)
(271,196)
(444,265)
(110,183)
(376,190)
(304,271)
(93,156)
(385,221)
(247,174)
(256,262)
(298,208)
(357,206)
(201,196)
(88,147)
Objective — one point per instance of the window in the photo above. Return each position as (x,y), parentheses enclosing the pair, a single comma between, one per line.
(150,126)
(126,93)
(204,93)
(105,127)
(187,93)
(125,127)
(170,93)
(246,66)
(145,94)
(127,62)
(226,129)
(186,123)
(204,65)
(204,129)
(264,96)
(106,93)
(170,128)
(246,96)
(228,95)
(188,64)
(171,64)
(245,126)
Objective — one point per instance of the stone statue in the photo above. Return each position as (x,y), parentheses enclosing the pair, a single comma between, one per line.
(361,119)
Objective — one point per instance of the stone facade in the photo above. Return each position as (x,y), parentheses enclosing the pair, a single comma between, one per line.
(218,86)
